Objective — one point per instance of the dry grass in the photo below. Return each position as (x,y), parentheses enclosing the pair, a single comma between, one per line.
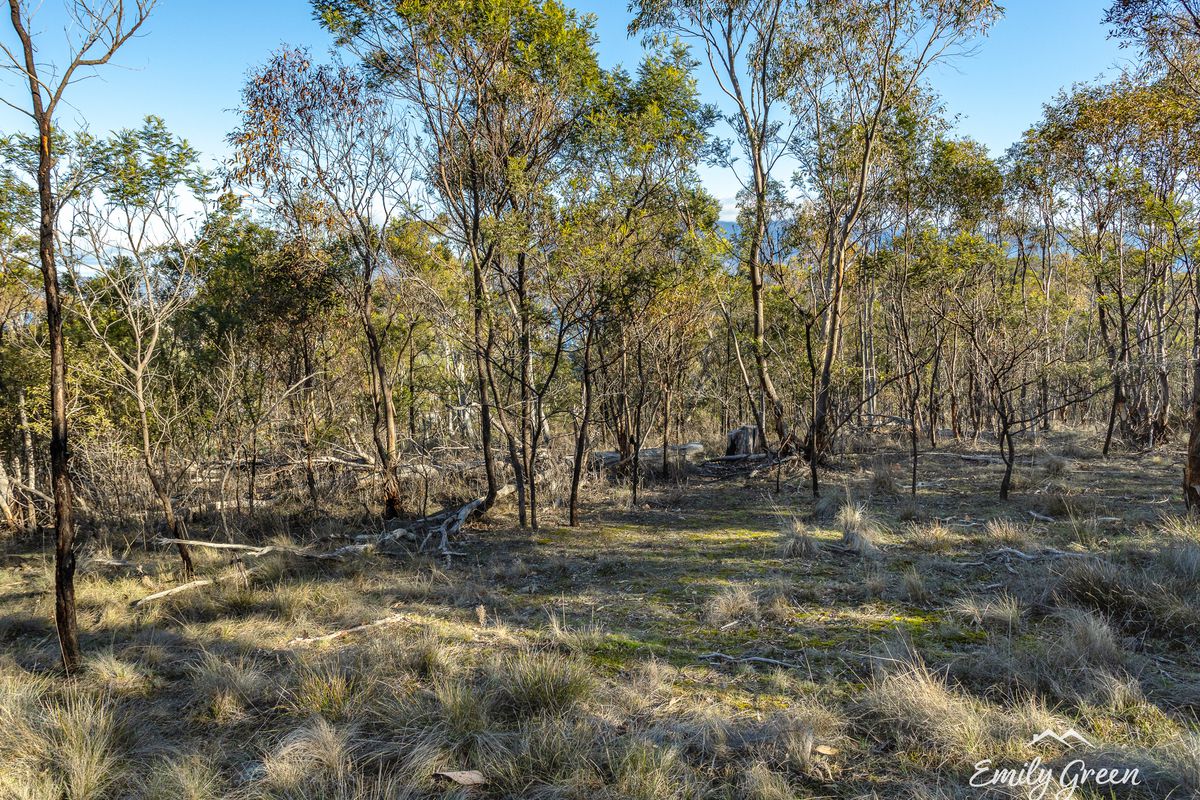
(859,530)
(1133,596)
(580,663)
(930,537)
(1002,613)
(943,725)
(311,760)
(533,684)
(1089,640)
(578,637)
(732,604)
(182,778)
(1055,466)
(225,686)
(920,713)
(1007,532)
(884,479)
(797,543)
(69,744)
(914,586)
(875,581)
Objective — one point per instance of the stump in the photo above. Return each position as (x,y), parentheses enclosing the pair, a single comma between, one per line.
(743,441)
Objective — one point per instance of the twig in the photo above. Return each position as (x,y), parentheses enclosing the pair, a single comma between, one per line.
(346,632)
(174,590)
(749,659)
(1049,552)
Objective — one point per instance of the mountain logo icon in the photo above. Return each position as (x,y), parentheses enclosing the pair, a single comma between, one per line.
(1069,738)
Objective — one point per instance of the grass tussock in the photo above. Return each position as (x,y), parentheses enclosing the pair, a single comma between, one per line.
(225,686)
(915,710)
(577,637)
(309,761)
(859,530)
(1055,466)
(760,782)
(884,479)
(1007,532)
(732,604)
(796,543)
(1001,613)
(1146,596)
(930,537)
(182,778)
(70,744)
(116,675)
(539,683)
(329,689)
(915,589)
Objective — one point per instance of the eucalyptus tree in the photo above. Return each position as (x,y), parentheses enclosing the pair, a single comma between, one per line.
(499,89)
(1033,207)
(853,69)
(267,311)
(1168,34)
(632,189)
(1167,31)
(1003,335)
(741,41)
(1116,151)
(329,152)
(96,30)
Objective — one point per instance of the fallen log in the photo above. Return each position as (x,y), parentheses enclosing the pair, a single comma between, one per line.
(79,500)
(450,522)
(444,524)
(742,457)
(774,462)
(691,452)
(981,459)
(250,550)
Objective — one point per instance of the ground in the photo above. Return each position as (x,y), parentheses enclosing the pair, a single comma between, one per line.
(720,640)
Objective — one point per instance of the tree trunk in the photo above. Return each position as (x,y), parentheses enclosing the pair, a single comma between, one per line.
(483,352)
(1007,453)
(754,263)
(60,453)
(6,499)
(1118,399)
(30,465)
(161,490)
(666,432)
(384,428)
(818,430)
(1191,469)
(581,434)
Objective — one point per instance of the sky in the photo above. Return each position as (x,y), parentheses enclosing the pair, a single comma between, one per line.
(192,57)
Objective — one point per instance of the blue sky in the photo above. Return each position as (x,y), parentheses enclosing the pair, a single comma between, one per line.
(189,65)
